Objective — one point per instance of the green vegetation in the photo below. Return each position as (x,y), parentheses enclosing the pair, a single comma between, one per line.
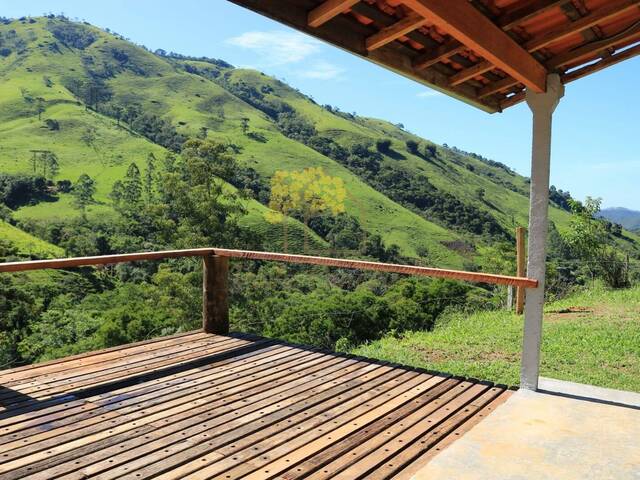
(590,337)
(110,148)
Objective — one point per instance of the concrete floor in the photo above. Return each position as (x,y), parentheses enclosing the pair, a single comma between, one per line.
(549,436)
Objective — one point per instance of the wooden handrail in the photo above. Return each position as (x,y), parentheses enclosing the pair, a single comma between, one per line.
(271,256)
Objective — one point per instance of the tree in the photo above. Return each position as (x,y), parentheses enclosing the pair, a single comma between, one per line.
(480,193)
(83,191)
(383,145)
(244,125)
(412,147)
(150,178)
(198,208)
(40,107)
(310,192)
(588,240)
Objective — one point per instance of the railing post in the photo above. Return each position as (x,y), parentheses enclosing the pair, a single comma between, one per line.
(215,294)
(520,257)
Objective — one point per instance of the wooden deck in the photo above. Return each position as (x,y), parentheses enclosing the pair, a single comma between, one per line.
(224,407)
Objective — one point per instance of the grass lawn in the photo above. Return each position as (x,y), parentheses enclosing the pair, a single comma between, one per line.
(591,337)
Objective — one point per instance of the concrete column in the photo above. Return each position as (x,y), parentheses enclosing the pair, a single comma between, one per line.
(542,106)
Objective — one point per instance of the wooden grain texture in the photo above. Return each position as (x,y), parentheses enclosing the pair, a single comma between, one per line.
(224,407)
(272,256)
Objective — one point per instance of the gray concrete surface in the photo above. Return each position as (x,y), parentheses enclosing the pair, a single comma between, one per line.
(543,436)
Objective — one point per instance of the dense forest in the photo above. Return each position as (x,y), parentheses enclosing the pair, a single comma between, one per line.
(109,148)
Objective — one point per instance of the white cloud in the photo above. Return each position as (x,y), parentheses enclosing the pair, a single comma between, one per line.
(279,47)
(322,70)
(429,94)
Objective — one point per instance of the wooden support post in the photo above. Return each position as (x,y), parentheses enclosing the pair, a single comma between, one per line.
(520,259)
(215,294)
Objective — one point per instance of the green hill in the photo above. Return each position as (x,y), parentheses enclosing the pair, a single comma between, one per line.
(100,102)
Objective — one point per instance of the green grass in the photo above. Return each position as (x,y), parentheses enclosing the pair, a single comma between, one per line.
(591,337)
(28,244)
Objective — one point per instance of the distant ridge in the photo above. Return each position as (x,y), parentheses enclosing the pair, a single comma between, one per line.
(629,219)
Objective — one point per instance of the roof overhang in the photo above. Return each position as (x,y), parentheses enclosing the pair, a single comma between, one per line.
(483,52)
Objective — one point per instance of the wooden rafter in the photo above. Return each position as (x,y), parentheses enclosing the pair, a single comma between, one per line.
(496,87)
(468,73)
(526,10)
(609,11)
(590,49)
(465,23)
(605,62)
(437,54)
(328,10)
(395,31)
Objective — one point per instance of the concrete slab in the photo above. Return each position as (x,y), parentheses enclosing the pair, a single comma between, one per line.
(543,436)
(589,392)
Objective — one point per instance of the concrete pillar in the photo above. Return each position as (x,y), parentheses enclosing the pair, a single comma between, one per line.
(542,106)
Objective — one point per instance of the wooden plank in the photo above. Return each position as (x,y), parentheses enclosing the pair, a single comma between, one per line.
(230,424)
(128,401)
(465,23)
(498,86)
(16,417)
(171,412)
(471,72)
(393,32)
(90,365)
(279,257)
(526,10)
(244,432)
(281,458)
(298,428)
(328,10)
(609,11)
(422,443)
(36,369)
(80,383)
(437,54)
(330,462)
(223,405)
(409,471)
(605,62)
(591,49)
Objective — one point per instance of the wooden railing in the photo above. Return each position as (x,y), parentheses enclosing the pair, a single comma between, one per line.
(215,308)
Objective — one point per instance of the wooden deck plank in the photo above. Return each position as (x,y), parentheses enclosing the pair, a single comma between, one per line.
(45,388)
(199,406)
(67,438)
(138,399)
(244,440)
(30,371)
(206,419)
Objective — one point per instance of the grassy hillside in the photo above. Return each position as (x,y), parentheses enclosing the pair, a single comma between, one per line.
(591,337)
(26,244)
(78,91)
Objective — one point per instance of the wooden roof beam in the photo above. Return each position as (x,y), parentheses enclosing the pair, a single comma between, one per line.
(609,11)
(590,49)
(469,26)
(399,29)
(497,87)
(436,55)
(526,10)
(605,62)
(328,10)
(468,73)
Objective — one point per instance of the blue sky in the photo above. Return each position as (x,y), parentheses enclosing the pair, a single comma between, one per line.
(596,145)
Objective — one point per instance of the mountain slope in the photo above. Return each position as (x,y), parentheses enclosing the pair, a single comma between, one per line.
(629,219)
(100,102)
(89,142)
